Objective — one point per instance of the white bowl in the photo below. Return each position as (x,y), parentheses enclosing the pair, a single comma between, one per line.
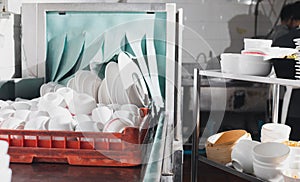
(266,172)
(282,164)
(295,151)
(5,174)
(117,125)
(4,161)
(251,57)
(254,68)
(271,152)
(229,62)
(87,126)
(49,100)
(82,104)
(102,114)
(295,164)
(3,147)
(60,123)
(38,123)
(291,175)
(21,105)
(245,64)
(241,160)
(67,93)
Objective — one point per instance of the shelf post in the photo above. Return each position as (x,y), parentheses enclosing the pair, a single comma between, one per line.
(275,104)
(196,120)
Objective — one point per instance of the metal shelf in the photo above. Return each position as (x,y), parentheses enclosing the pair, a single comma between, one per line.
(258,79)
(230,170)
(198,74)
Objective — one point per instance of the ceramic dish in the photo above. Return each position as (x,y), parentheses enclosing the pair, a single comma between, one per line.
(103,96)
(115,87)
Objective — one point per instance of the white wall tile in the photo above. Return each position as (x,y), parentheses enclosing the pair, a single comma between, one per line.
(6,48)
(206,27)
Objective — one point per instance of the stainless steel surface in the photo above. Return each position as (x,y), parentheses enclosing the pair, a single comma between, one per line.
(286,103)
(17,44)
(34,23)
(168,148)
(240,96)
(196,120)
(34,54)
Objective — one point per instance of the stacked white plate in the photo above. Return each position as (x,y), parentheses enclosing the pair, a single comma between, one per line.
(5,171)
(272,132)
(85,82)
(297,42)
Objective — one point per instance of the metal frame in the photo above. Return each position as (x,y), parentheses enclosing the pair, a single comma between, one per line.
(34,19)
(34,52)
(196,120)
(276,82)
(34,47)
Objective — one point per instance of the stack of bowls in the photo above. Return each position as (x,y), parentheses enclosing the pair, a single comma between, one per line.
(269,159)
(272,132)
(220,145)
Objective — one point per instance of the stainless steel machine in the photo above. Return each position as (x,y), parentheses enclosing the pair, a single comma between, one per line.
(41,21)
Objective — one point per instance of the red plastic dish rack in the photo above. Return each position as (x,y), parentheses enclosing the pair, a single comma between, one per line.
(76,148)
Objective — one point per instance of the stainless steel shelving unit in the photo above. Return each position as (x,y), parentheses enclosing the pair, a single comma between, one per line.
(276,82)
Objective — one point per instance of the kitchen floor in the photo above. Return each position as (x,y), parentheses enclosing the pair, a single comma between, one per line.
(207,173)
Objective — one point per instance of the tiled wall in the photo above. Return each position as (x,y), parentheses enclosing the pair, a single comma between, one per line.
(206,32)
(217,26)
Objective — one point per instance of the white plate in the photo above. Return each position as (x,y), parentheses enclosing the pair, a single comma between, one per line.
(76,79)
(115,87)
(88,84)
(130,74)
(136,46)
(96,87)
(71,83)
(91,85)
(152,62)
(103,96)
(80,79)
